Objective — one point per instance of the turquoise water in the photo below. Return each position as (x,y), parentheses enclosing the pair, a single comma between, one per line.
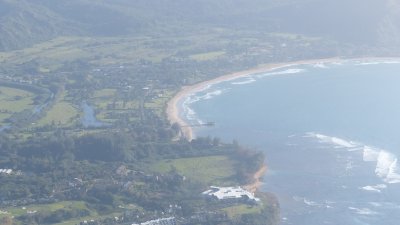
(331,134)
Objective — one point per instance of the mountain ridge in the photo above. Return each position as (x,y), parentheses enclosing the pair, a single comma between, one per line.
(370,22)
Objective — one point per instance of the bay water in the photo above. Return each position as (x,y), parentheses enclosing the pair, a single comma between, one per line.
(330,133)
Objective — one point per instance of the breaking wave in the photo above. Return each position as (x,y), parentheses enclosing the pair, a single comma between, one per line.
(306,201)
(320,65)
(387,166)
(248,81)
(337,142)
(288,71)
(378,62)
(363,211)
(377,188)
(204,96)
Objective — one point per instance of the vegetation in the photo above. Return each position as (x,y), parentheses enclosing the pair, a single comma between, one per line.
(101,176)
(45,20)
(14,100)
(211,170)
(62,113)
(125,59)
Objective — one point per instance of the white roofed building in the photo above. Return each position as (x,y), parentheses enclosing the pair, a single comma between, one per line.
(6,171)
(162,221)
(222,193)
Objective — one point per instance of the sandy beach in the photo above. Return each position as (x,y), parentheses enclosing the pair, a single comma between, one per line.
(173,107)
(173,104)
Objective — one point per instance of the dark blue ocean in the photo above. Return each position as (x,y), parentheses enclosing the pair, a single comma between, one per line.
(330,133)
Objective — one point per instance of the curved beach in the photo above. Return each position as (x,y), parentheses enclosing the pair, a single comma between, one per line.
(173,107)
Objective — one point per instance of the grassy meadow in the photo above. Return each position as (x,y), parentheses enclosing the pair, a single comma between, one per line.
(210,170)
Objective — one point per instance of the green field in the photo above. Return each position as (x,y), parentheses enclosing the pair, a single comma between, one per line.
(19,211)
(62,113)
(100,51)
(211,170)
(88,218)
(237,210)
(47,208)
(14,100)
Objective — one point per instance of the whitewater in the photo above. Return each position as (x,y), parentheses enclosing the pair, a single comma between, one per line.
(330,131)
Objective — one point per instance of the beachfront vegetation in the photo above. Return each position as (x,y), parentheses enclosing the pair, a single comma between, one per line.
(125,60)
(102,176)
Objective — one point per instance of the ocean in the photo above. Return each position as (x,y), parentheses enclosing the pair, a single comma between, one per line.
(330,133)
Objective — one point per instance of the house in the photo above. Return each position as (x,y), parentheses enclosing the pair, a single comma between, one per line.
(6,171)
(222,193)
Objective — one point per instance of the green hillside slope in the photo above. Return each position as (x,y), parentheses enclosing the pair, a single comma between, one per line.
(371,22)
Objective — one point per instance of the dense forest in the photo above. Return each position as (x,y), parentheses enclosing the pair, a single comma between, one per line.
(109,170)
(84,87)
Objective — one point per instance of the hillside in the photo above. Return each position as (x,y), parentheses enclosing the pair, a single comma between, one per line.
(372,22)
(23,24)
(84,87)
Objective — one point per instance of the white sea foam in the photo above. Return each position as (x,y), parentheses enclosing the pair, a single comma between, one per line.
(377,188)
(210,95)
(363,211)
(393,176)
(370,154)
(191,115)
(306,201)
(190,112)
(320,65)
(387,166)
(392,62)
(384,162)
(368,63)
(206,96)
(248,81)
(288,71)
(377,62)
(335,141)
(310,203)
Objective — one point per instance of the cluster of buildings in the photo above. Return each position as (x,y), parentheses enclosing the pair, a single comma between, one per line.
(163,221)
(222,193)
(6,171)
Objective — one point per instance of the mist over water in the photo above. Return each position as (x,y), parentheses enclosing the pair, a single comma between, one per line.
(331,134)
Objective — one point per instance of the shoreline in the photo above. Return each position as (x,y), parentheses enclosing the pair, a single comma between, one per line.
(254,186)
(173,108)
